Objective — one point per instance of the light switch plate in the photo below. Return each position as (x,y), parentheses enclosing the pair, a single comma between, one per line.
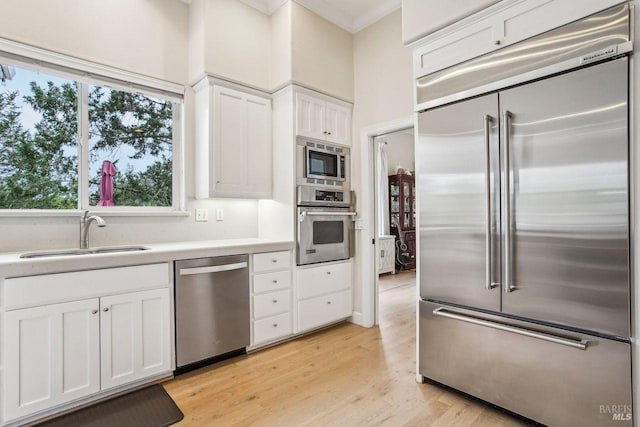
(202,215)
(360,225)
(219,214)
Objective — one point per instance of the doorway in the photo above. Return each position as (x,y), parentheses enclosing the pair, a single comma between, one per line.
(395,222)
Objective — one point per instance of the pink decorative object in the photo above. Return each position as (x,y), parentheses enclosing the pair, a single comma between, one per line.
(106,184)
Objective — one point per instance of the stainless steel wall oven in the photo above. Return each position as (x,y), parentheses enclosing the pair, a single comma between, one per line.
(325,225)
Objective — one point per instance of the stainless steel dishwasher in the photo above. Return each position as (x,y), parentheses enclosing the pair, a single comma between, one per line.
(212,309)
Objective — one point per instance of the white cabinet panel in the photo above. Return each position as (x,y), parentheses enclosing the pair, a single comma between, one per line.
(270,261)
(337,123)
(51,356)
(319,311)
(134,336)
(271,303)
(323,279)
(319,118)
(500,25)
(233,142)
(310,116)
(271,328)
(22,292)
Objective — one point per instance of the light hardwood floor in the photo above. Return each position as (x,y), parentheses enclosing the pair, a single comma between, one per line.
(342,376)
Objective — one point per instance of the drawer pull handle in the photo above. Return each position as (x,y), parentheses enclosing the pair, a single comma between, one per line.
(275,301)
(579,344)
(105,309)
(94,312)
(275,325)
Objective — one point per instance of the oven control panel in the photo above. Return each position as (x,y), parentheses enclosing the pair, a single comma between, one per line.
(314,196)
(329,196)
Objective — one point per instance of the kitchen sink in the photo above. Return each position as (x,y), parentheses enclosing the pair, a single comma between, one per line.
(89,251)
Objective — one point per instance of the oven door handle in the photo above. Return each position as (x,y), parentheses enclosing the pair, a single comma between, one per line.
(324,213)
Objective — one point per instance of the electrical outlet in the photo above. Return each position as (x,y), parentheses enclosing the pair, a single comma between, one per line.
(219,214)
(202,215)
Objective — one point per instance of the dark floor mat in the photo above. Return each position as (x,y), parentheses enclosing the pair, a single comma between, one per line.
(148,407)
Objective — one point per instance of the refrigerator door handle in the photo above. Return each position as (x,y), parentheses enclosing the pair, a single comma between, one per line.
(488,121)
(579,344)
(506,121)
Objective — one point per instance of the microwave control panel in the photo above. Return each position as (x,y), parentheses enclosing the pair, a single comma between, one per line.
(329,196)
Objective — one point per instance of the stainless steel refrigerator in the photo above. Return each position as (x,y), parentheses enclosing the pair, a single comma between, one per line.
(524,247)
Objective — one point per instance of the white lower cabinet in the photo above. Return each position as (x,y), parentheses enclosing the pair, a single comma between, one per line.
(134,334)
(52,356)
(271,298)
(57,353)
(324,294)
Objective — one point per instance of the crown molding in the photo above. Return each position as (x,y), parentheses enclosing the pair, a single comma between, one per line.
(330,12)
(267,7)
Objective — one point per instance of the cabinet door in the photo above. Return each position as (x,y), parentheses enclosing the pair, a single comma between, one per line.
(310,117)
(337,123)
(135,336)
(51,356)
(242,144)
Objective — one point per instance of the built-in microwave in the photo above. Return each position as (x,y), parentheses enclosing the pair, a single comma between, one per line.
(322,164)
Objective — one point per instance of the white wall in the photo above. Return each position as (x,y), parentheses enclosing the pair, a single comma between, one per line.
(322,54)
(400,151)
(281,47)
(148,37)
(383,92)
(237,43)
(145,36)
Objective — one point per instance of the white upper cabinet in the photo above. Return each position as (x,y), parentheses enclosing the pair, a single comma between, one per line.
(499,25)
(233,143)
(322,119)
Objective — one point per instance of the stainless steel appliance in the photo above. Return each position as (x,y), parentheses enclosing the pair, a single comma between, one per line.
(524,234)
(322,164)
(212,309)
(325,225)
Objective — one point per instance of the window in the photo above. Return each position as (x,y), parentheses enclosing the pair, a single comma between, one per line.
(79,143)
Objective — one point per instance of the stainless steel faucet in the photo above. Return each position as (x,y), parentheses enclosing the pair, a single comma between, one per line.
(85,223)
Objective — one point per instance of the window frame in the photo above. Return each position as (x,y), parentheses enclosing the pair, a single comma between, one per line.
(86,73)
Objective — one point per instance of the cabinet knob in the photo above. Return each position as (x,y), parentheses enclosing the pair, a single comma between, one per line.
(274,261)
(328,133)
(329,302)
(275,325)
(325,132)
(328,272)
(497,42)
(275,281)
(105,309)
(94,311)
(275,301)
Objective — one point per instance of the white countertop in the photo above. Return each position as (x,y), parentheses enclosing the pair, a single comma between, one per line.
(11,265)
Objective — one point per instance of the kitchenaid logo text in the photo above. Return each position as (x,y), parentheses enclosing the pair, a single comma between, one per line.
(617,412)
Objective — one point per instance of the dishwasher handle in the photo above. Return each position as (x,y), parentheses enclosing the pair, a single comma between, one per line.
(213,269)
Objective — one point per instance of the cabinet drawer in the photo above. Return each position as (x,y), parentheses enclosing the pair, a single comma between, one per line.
(323,279)
(271,303)
(270,261)
(323,310)
(266,282)
(271,328)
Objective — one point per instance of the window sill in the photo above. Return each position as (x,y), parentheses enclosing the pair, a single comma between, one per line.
(42,213)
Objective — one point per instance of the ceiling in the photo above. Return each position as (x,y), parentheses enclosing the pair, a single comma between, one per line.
(351,15)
